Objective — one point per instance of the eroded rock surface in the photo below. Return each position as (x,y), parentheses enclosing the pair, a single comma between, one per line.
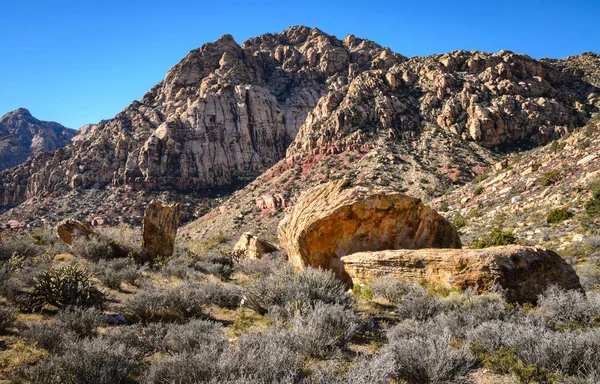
(254,247)
(523,272)
(160,228)
(336,219)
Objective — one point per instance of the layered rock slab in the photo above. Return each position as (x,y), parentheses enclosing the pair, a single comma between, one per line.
(336,219)
(522,272)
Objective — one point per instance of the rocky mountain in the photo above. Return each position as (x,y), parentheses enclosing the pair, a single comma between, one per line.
(286,111)
(22,135)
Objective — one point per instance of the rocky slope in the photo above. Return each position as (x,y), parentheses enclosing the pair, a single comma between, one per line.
(22,135)
(420,127)
(539,195)
(296,109)
(221,116)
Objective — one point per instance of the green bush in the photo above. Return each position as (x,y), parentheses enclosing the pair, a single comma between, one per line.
(478,191)
(61,287)
(494,238)
(557,215)
(444,207)
(458,220)
(548,178)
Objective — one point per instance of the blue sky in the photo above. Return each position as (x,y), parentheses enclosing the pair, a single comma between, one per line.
(77,62)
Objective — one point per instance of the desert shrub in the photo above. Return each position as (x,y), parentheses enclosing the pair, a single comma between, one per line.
(323,327)
(567,306)
(61,287)
(192,336)
(592,207)
(483,307)
(267,265)
(458,221)
(444,207)
(478,191)
(506,361)
(146,339)
(589,274)
(95,248)
(123,234)
(89,361)
(7,318)
(82,321)
(23,247)
(418,304)
(549,178)
(49,336)
(557,215)
(185,368)
(285,292)
(422,359)
(264,358)
(114,272)
(494,238)
(190,265)
(568,352)
(390,289)
(180,303)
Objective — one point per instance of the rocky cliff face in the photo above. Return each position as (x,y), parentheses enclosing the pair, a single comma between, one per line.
(22,135)
(301,107)
(224,114)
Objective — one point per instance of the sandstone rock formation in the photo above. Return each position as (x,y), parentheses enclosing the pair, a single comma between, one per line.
(523,272)
(69,229)
(160,228)
(254,247)
(336,219)
(223,115)
(22,135)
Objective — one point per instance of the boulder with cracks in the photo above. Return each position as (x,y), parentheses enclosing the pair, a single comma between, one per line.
(336,219)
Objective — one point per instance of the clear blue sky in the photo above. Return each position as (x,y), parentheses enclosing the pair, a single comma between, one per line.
(77,62)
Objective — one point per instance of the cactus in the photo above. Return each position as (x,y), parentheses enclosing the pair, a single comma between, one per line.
(61,287)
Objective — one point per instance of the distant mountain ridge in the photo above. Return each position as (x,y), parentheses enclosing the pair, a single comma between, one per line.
(286,111)
(22,135)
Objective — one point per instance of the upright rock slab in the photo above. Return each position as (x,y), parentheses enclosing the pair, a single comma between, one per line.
(160,228)
(334,219)
(522,272)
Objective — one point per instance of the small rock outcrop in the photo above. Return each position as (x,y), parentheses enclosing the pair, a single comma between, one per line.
(334,220)
(160,228)
(69,229)
(522,272)
(254,247)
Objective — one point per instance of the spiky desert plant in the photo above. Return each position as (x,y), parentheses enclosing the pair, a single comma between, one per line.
(61,287)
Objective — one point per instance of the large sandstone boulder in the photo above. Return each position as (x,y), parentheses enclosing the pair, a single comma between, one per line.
(160,228)
(254,247)
(334,220)
(523,272)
